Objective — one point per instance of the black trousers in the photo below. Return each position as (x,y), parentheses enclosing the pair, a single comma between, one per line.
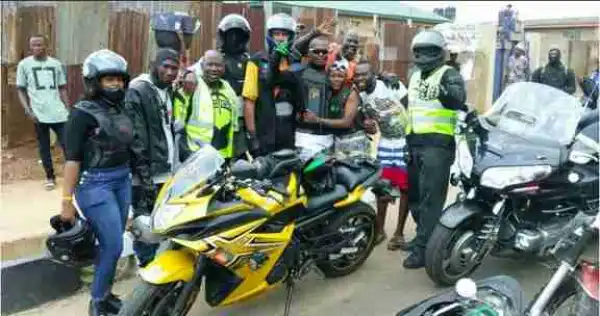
(428,173)
(42,130)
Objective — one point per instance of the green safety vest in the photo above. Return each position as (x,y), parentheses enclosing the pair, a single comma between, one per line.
(213,122)
(426,113)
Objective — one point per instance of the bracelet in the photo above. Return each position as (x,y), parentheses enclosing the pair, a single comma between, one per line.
(67,198)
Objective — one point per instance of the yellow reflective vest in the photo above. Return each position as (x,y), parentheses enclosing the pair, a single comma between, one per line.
(213,118)
(181,105)
(426,113)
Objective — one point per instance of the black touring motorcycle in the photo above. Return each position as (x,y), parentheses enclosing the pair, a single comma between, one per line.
(527,168)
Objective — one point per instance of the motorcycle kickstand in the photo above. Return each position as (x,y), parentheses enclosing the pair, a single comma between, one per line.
(288,300)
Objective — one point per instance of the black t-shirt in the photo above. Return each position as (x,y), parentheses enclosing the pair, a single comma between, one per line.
(78,129)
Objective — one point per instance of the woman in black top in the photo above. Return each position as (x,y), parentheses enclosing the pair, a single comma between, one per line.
(97,175)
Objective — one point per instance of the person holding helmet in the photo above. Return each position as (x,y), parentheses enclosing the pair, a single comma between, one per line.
(435,93)
(233,36)
(273,91)
(97,176)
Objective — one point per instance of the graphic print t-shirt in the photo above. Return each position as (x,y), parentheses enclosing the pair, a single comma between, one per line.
(42,80)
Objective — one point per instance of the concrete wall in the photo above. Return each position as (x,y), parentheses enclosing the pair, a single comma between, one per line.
(480,87)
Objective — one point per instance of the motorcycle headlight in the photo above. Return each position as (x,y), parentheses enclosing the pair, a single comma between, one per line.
(165,214)
(501,177)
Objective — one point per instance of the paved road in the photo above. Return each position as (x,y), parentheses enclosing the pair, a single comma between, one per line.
(380,287)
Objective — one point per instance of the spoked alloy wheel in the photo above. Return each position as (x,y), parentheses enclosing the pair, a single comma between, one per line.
(451,254)
(357,223)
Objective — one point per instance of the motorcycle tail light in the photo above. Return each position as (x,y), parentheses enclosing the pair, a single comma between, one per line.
(590,280)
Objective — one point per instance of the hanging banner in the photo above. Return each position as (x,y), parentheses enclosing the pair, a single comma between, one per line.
(462,38)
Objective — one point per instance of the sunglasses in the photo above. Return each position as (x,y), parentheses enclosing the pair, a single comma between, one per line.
(319,51)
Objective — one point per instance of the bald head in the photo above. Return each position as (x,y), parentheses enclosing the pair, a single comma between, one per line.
(213,67)
(212,55)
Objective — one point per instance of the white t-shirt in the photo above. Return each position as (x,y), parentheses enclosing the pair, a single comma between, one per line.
(383,92)
(42,79)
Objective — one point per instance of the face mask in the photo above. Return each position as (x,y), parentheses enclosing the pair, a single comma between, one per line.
(553,58)
(113,95)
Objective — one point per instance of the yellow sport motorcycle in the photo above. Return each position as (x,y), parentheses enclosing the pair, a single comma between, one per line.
(248,228)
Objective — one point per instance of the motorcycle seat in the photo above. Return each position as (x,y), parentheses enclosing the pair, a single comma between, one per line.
(328,198)
(351,178)
(284,166)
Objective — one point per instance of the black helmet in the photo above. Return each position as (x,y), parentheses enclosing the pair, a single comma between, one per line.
(72,244)
(237,24)
(102,63)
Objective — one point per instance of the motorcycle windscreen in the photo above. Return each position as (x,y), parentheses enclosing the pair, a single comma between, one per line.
(535,112)
(195,171)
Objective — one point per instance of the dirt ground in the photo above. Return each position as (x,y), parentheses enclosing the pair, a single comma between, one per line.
(23,163)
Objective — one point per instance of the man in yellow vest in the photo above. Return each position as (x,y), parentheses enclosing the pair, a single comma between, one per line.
(213,117)
(182,105)
(435,93)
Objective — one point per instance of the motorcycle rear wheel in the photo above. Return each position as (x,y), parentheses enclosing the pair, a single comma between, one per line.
(443,243)
(153,300)
(347,264)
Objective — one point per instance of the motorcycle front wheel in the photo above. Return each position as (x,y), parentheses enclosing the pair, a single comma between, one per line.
(155,300)
(450,253)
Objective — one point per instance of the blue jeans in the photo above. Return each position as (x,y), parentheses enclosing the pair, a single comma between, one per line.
(104,197)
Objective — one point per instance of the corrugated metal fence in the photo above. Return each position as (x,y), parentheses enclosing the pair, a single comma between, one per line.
(75,29)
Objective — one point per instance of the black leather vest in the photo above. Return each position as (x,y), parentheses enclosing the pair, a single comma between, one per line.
(235,71)
(108,145)
(316,87)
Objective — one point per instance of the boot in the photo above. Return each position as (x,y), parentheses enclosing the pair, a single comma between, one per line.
(416,260)
(408,246)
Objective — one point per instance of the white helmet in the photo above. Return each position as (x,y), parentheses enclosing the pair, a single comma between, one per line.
(280,21)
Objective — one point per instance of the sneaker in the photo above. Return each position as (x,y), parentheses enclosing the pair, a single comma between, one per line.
(396,242)
(113,303)
(416,260)
(98,308)
(50,184)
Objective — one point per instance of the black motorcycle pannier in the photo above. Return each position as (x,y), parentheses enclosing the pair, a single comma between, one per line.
(166,25)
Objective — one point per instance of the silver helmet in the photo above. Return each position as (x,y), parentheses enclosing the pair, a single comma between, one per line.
(234,21)
(104,62)
(281,21)
(428,48)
